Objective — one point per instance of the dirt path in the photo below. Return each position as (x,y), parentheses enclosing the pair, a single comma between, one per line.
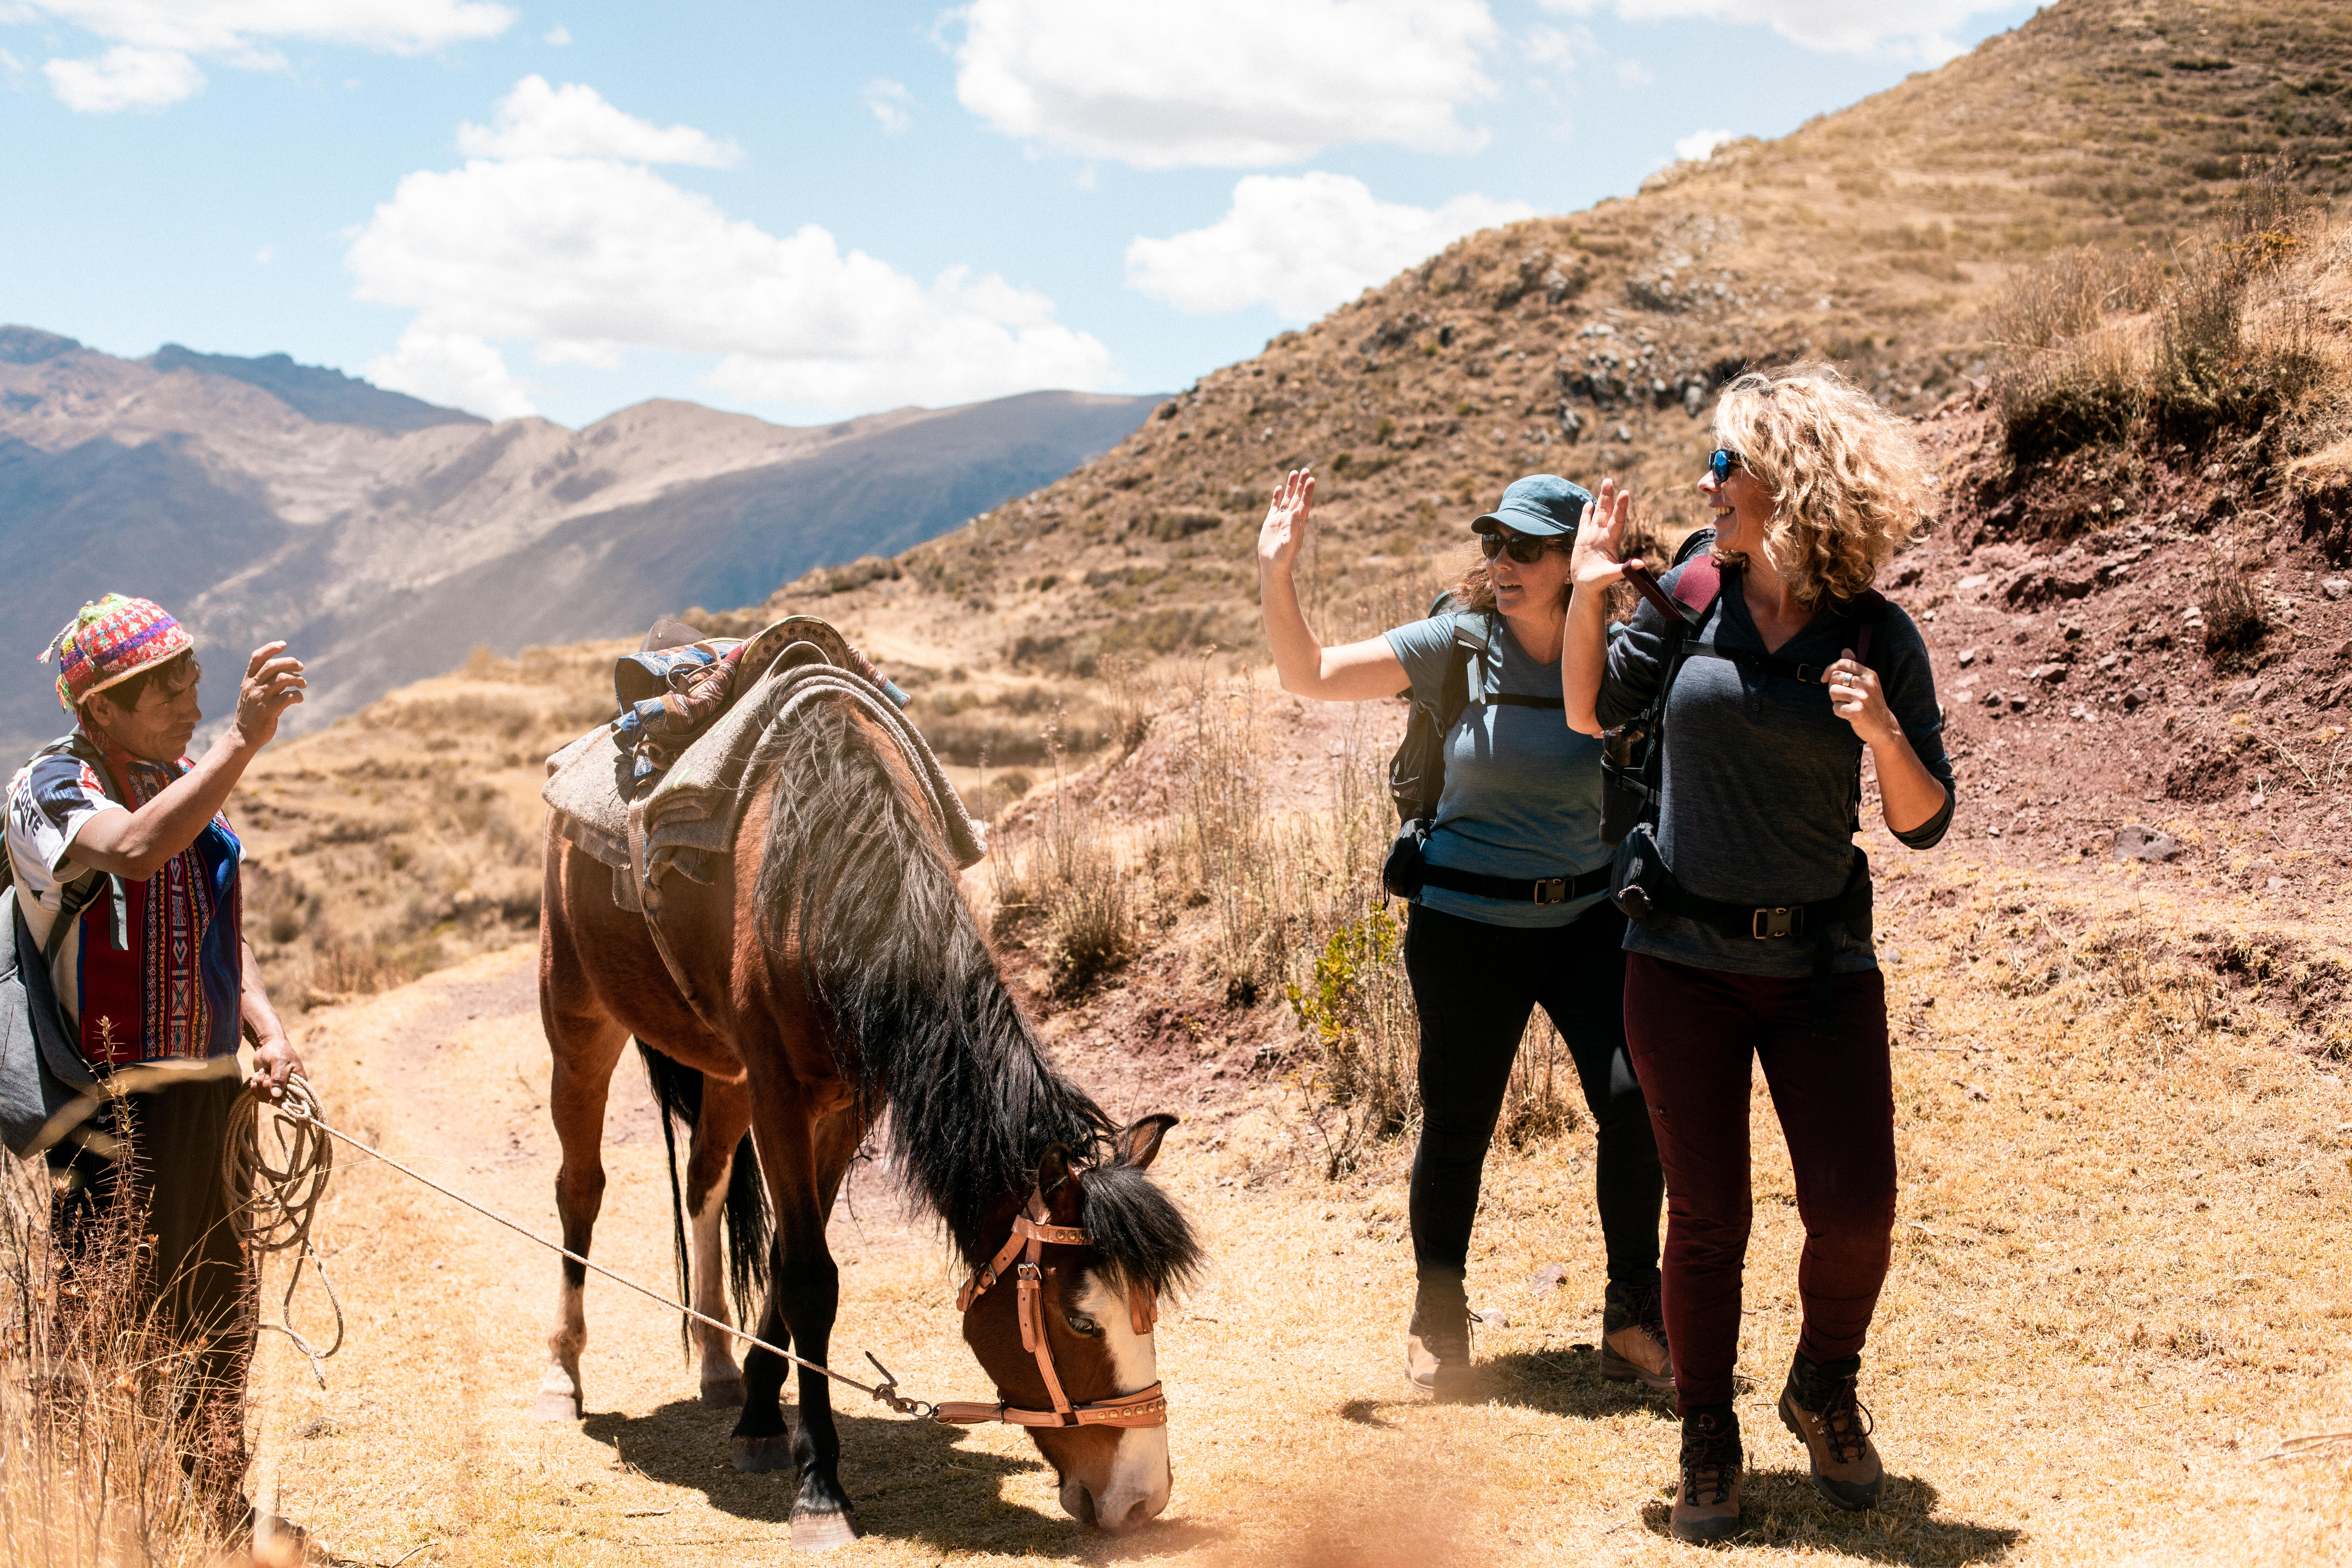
(2118,1281)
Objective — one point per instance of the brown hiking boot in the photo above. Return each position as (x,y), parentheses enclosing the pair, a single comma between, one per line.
(1633,1338)
(1817,1404)
(1437,1344)
(1706,1502)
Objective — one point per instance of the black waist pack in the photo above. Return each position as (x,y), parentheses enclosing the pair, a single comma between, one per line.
(1642,886)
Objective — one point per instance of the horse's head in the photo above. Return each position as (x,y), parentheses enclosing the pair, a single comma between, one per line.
(1090,1321)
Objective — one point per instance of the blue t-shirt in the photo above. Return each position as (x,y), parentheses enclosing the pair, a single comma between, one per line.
(1522,790)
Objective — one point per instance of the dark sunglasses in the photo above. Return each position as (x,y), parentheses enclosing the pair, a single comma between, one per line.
(1721,463)
(1526,549)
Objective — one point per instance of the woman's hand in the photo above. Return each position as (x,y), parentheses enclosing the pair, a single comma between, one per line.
(1600,536)
(1854,693)
(272,684)
(1285,520)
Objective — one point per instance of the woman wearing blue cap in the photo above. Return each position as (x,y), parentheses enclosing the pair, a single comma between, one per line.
(1512,911)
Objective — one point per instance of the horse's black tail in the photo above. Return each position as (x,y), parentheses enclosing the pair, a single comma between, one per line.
(677,1096)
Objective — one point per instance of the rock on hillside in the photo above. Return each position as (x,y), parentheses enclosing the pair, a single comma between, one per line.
(257,497)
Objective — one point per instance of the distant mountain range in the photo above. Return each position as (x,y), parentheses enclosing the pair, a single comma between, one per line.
(386,537)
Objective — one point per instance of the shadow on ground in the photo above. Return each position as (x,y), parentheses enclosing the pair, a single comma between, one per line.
(1781,1509)
(907,1480)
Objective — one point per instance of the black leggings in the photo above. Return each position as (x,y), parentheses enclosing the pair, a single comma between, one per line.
(1475,986)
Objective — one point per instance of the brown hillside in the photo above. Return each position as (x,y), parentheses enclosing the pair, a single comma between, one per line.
(1582,344)
(1589,344)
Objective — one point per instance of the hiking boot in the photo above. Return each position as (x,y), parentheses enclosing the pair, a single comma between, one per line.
(1633,1337)
(1437,1343)
(1706,1501)
(1818,1405)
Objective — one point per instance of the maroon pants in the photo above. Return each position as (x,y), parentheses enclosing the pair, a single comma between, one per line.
(1691,1033)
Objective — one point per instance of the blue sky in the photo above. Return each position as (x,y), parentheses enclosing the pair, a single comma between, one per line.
(802,211)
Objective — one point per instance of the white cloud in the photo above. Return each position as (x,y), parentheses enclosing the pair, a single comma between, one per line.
(536,121)
(456,369)
(559,35)
(888,100)
(1302,245)
(228,27)
(154,62)
(124,78)
(1915,27)
(265,254)
(1700,145)
(1235,83)
(586,256)
(1634,73)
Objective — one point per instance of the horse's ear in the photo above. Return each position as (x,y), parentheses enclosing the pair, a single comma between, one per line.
(1053,1169)
(1140,1144)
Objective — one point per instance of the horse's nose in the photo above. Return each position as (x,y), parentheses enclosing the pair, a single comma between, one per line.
(1136,1512)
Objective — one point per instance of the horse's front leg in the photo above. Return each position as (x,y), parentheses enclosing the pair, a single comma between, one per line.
(585,1049)
(803,1152)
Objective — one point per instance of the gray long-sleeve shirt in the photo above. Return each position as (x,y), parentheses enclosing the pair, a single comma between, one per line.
(1762,778)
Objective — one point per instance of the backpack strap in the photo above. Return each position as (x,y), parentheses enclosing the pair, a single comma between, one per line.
(1472,640)
(1700,584)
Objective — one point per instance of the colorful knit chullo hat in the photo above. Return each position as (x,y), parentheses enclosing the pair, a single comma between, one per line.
(112,639)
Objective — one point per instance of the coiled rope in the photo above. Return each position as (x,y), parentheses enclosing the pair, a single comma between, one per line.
(273,1196)
(276,1200)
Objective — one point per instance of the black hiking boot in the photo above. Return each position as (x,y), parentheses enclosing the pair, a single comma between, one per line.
(1633,1337)
(1706,1497)
(1437,1343)
(1817,1404)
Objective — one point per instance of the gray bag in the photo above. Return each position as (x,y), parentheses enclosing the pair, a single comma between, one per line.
(46,1087)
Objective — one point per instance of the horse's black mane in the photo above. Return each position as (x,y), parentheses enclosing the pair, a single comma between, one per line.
(922,1021)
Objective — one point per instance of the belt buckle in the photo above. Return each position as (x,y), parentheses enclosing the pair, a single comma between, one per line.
(1813,675)
(1552,890)
(1786,921)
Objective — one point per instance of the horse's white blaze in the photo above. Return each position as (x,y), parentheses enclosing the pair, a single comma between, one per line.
(1138,1472)
(710,1287)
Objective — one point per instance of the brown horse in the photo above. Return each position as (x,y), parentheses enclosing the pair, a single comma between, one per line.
(832,972)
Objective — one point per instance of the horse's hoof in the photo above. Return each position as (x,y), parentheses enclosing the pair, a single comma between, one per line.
(559,1397)
(723,1394)
(821,1531)
(758,1456)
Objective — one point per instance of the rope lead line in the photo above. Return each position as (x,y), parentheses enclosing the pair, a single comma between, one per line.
(294,1190)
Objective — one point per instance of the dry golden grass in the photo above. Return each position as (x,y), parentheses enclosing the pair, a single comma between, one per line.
(407,837)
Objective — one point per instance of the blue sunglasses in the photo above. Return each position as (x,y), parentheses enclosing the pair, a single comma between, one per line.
(1720,462)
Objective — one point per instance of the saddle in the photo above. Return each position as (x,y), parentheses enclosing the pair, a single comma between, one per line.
(632,798)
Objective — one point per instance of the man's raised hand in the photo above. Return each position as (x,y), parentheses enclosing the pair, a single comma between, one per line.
(1286,520)
(273,683)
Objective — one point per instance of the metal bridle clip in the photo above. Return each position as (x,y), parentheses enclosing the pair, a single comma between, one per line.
(887,1391)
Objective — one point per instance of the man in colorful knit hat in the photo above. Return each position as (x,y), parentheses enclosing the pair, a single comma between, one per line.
(126,881)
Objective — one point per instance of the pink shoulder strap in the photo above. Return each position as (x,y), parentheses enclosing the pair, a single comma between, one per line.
(1700,584)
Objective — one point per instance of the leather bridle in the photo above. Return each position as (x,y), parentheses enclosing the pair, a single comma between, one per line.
(1032,1234)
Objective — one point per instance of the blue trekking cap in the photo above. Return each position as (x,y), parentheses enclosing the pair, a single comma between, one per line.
(1538,504)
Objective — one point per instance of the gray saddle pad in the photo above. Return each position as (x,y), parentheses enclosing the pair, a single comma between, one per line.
(690,814)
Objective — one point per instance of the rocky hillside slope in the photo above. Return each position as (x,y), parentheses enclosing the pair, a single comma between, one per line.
(386,537)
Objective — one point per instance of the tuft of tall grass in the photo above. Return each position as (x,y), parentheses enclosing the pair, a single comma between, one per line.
(2222,335)
(98,1405)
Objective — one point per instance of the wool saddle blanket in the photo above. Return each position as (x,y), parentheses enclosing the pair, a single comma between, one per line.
(688,817)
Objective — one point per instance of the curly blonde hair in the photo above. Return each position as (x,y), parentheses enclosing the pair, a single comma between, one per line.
(1848,483)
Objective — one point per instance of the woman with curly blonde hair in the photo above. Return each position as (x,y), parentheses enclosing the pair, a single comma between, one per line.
(1751,934)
